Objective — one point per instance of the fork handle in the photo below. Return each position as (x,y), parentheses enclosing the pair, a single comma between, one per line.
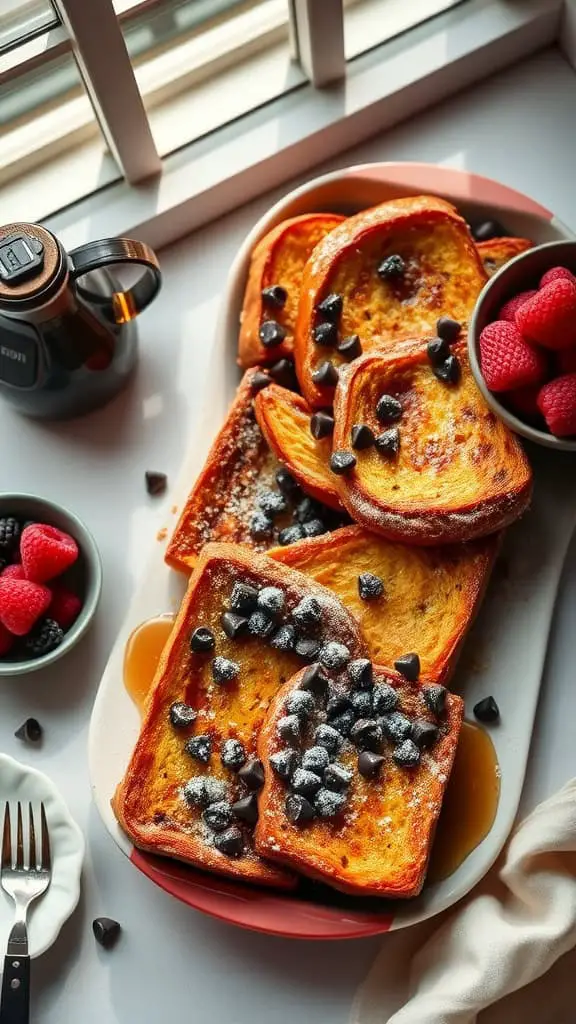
(15,999)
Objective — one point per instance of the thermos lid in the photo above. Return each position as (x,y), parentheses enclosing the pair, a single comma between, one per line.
(31,260)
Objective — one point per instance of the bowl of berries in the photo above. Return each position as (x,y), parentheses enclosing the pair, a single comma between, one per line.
(522,344)
(50,582)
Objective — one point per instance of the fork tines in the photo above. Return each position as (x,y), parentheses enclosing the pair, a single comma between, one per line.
(33,863)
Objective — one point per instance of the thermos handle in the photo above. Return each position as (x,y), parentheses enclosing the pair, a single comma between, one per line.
(109,252)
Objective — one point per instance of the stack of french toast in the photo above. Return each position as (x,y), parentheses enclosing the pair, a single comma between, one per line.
(340,539)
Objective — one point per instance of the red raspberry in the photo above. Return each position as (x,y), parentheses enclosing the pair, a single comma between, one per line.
(524,401)
(46,552)
(13,572)
(566,361)
(557,403)
(6,640)
(507,360)
(21,604)
(550,316)
(64,607)
(508,311)
(556,274)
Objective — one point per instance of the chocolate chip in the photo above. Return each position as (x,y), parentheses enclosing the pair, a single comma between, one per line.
(314,528)
(337,777)
(202,639)
(284,638)
(305,782)
(271,600)
(334,655)
(284,373)
(388,409)
(369,763)
(106,931)
(246,809)
(271,333)
(290,534)
(326,736)
(156,483)
(448,329)
(306,510)
(234,625)
(301,703)
(350,347)
(388,442)
(366,734)
(315,759)
(360,673)
(218,816)
(330,308)
(396,726)
(325,334)
(298,809)
(343,722)
(308,612)
(321,425)
(259,624)
(287,483)
(181,715)
(342,462)
(224,670)
(30,731)
(328,803)
(252,774)
(392,267)
(261,526)
(437,350)
(203,790)
(435,699)
(307,649)
(259,381)
(338,701)
(232,754)
(488,229)
(272,503)
(315,681)
(274,297)
(244,598)
(230,842)
(289,728)
(362,703)
(406,754)
(449,372)
(409,666)
(200,748)
(384,699)
(424,733)
(326,375)
(370,586)
(285,763)
(487,710)
(361,437)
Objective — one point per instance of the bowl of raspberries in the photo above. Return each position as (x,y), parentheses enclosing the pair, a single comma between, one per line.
(50,582)
(522,344)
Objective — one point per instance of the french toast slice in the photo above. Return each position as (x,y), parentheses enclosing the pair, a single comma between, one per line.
(498,251)
(240,472)
(443,468)
(225,659)
(362,816)
(426,600)
(284,419)
(395,269)
(277,263)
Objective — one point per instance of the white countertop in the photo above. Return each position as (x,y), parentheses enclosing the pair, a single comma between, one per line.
(171,962)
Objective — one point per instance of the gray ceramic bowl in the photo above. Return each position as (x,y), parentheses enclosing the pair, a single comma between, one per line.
(519,275)
(85,577)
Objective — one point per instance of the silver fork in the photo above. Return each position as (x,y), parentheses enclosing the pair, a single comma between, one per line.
(24,884)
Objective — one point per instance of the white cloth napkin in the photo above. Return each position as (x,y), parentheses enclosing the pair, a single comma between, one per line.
(517,922)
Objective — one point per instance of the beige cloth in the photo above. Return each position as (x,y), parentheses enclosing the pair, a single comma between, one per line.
(508,932)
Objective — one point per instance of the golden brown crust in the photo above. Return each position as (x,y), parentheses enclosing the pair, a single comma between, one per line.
(148,803)
(278,259)
(498,251)
(430,597)
(380,844)
(443,277)
(459,474)
(284,419)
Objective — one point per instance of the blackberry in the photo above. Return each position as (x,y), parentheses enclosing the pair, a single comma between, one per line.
(47,636)
(10,530)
